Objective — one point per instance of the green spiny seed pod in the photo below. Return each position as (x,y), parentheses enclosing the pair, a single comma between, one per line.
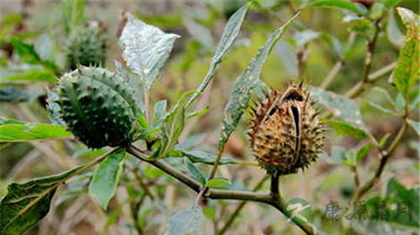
(85,46)
(285,132)
(97,106)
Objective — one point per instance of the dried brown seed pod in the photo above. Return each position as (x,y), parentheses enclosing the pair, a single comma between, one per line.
(285,131)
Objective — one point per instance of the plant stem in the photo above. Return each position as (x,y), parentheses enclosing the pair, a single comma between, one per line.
(241,205)
(360,86)
(278,203)
(356,176)
(385,157)
(146,102)
(338,65)
(216,163)
(185,179)
(274,186)
(246,163)
(373,77)
(204,84)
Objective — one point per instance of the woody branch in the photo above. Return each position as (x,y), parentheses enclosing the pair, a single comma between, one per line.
(276,202)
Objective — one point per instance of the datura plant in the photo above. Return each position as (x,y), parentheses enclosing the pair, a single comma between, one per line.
(105,117)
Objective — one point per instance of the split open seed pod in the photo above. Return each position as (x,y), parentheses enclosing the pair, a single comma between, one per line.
(285,131)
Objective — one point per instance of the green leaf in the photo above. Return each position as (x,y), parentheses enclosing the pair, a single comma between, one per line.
(73,11)
(377,106)
(393,32)
(141,119)
(105,179)
(407,72)
(28,54)
(34,75)
(172,127)
(414,125)
(396,193)
(25,204)
(359,25)
(230,32)
(25,51)
(391,3)
(206,157)
(18,132)
(350,157)
(83,152)
(198,113)
(377,10)
(186,221)
(159,112)
(244,84)
(341,4)
(218,182)
(346,129)
(146,48)
(340,106)
(195,172)
(383,140)
(363,152)
(12,94)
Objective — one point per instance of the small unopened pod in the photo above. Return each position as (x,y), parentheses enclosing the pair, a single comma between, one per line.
(285,131)
(85,46)
(97,106)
